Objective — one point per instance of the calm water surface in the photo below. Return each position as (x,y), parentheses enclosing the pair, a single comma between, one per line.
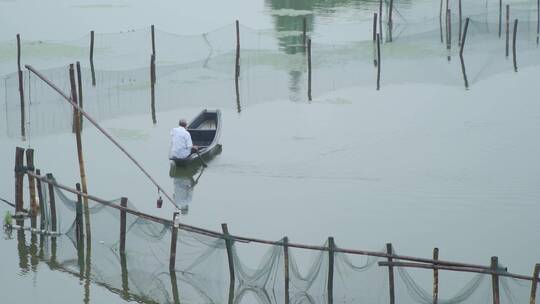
(417,165)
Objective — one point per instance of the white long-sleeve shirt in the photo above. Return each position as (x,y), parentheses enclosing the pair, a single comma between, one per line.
(180,143)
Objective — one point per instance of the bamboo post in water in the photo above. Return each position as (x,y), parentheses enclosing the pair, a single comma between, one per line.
(123,203)
(92,58)
(514,55)
(286,262)
(304,30)
(79,216)
(449,33)
(435,277)
(375,39)
(174,287)
(390,21)
(152,87)
(380,18)
(330,283)
(440,21)
(41,203)
(460,22)
(31,187)
(228,244)
(495,279)
(237,48)
(153,40)
(537,22)
(309,67)
(52,203)
(378,62)
(500,18)
(507,30)
(534,286)
(80,93)
(390,274)
(21,87)
(19,179)
(174,238)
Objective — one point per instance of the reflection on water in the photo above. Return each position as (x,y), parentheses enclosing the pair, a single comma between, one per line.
(185,179)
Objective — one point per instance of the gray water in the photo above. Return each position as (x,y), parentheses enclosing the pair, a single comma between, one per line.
(420,165)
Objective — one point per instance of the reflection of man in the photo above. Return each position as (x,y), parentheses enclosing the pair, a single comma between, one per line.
(183,192)
(181,145)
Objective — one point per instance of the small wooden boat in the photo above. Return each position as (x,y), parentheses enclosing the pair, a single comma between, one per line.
(205,131)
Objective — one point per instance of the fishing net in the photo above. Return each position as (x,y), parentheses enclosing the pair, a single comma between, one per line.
(201,271)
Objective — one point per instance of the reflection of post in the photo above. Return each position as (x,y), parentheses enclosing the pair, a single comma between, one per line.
(52,203)
(390,21)
(174,287)
(125,276)
(123,204)
(330,286)
(448,32)
(174,236)
(304,30)
(435,277)
(440,20)
(309,67)
(500,18)
(460,22)
(21,87)
(495,279)
(31,187)
(92,58)
(79,217)
(228,244)
(286,262)
(514,55)
(375,39)
(19,180)
(390,273)
(33,252)
(461,53)
(378,62)
(22,250)
(41,203)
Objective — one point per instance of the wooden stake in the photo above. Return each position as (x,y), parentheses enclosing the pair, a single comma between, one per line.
(534,284)
(52,203)
(125,276)
(495,279)
(286,262)
(92,58)
(153,40)
(435,277)
(390,274)
(41,203)
(123,203)
(19,179)
(330,283)
(309,68)
(500,18)
(507,29)
(174,287)
(174,238)
(31,187)
(375,39)
(79,216)
(228,244)
(514,55)
(21,88)
(378,62)
(152,88)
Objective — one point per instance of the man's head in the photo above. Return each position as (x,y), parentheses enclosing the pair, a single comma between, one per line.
(183,123)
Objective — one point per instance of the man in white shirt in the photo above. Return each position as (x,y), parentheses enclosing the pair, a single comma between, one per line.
(181,145)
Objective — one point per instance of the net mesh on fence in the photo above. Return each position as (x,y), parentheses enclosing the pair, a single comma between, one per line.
(201,272)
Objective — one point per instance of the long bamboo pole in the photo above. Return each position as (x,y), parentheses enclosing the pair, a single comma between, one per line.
(66,97)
